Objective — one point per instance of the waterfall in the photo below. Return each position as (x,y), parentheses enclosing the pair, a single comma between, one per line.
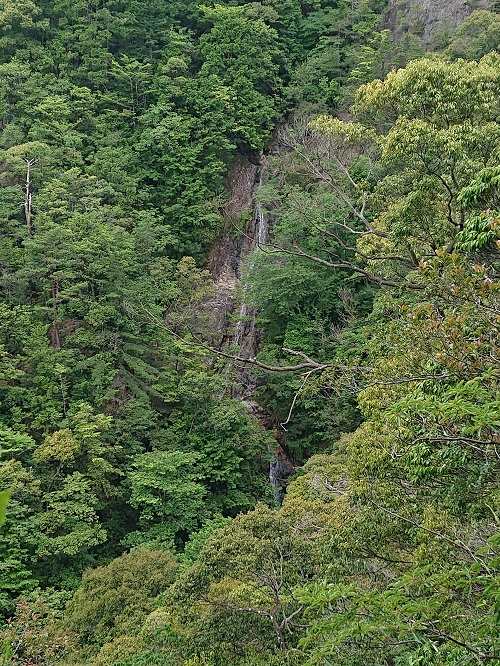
(246,337)
(258,234)
(262,220)
(227,257)
(280,468)
(261,226)
(239,329)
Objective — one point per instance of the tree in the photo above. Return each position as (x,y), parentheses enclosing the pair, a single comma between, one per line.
(30,636)
(246,65)
(168,493)
(478,35)
(396,180)
(114,599)
(239,592)
(16,540)
(416,207)
(19,21)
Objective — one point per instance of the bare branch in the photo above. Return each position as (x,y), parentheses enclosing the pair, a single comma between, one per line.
(465,440)
(297,393)
(298,252)
(457,544)
(440,634)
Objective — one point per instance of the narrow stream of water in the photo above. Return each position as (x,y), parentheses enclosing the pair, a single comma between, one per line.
(245,326)
(228,262)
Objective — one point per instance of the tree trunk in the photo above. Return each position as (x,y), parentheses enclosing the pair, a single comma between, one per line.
(27,194)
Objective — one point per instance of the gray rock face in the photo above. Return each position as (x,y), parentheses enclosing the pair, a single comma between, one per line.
(228,253)
(280,469)
(430,18)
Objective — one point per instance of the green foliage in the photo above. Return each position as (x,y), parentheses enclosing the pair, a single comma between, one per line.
(197,540)
(246,572)
(31,636)
(166,490)
(478,35)
(241,54)
(4,498)
(118,122)
(114,599)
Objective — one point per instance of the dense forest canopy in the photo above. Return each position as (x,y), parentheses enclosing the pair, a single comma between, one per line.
(141,519)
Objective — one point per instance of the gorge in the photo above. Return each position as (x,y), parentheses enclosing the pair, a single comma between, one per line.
(249,350)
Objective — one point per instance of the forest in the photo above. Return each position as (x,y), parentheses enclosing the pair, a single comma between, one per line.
(249,333)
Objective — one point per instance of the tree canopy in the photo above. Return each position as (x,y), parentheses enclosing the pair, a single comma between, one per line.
(145,517)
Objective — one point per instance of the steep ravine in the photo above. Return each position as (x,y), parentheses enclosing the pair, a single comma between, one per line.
(246,226)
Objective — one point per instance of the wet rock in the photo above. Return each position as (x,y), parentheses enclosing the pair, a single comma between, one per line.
(280,469)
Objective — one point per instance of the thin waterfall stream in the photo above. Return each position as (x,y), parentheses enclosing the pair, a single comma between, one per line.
(260,235)
(227,265)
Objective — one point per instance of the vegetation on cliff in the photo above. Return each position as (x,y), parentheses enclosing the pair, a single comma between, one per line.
(140,527)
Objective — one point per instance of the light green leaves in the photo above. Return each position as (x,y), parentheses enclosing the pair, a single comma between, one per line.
(4,498)
(166,489)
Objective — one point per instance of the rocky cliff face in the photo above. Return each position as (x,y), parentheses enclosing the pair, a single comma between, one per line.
(428,19)
(235,326)
(228,253)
